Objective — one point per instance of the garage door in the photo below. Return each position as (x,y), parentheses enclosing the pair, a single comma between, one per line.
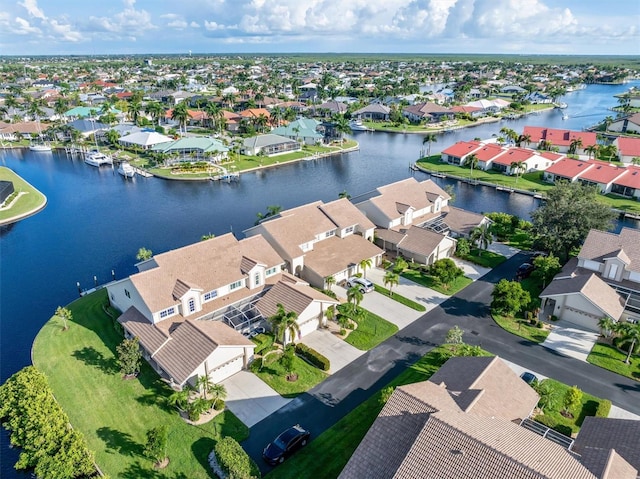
(581,320)
(308,327)
(229,369)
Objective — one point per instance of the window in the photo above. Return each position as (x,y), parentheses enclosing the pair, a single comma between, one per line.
(192,305)
(271,271)
(127,294)
(211,295)
(348,230)
(235,285)
(256,279)
(167,312)
(329,234)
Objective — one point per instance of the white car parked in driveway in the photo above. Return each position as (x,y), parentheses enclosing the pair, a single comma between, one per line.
(364,284)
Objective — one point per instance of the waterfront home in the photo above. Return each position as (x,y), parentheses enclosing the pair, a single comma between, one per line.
(330,108)
(471,419)
(457,153)
(487,153)
(319,240)
(303,130)
(269,145)
(547,138)
(628,148)
(373,111)
(473,111)
(515,161)
(628,124)
(604,280)
(427,112)
(144,139)
(199,148)
(490,106)
(592,173)
(190,306)
(26,129)
(628,184)
(88,127)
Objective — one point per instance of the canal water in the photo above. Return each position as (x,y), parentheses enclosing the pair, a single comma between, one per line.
(95,220)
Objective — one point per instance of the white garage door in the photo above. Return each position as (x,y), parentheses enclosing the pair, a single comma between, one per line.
(227,370)
(581,320)
(308,327)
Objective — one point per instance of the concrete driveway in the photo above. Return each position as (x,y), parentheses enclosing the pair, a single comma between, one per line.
(250,398)
(568,340)
(339,352)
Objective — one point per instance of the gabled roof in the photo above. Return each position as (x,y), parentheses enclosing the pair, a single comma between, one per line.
(261,141)
(373,108)
(344,214)
(334,255)
(489,151)
(462,221)
(559,137)
(603,173)
(630,179)
(461,148)
(293,297)
(628,146)
(569,168)
(514,155)
(421,240)
(600,244)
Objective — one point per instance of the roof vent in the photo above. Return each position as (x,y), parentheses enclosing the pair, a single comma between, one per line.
(457,452)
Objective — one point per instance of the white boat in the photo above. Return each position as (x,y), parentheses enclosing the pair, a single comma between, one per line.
(565,117)
(126,170)
(39,147)
(95,158)
(562,105)
(357,125)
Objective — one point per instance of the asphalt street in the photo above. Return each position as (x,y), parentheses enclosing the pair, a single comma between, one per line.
(324,405)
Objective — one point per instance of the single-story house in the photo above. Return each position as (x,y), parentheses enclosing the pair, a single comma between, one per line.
(88,127)
(514,156)
(628,184)
(269,145)
(458,152)
(11,131)
(85,111)
(330,108)
(427,112)
(418,244)
(373,111)
(304,130)
(628,148)
(560,139)
(199,148)
(144,139)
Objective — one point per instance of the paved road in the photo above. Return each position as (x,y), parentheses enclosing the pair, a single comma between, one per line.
(324,405)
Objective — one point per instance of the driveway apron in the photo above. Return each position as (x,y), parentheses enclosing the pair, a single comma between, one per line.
(569,340)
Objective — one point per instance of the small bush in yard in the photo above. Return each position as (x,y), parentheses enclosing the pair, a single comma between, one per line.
(234,460)
(313,356)
(263,343)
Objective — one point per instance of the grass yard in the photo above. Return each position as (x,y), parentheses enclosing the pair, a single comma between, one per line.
(400,299)
(114,414)
(274,375)
(423,279)
(30,199)
(488,259)
(609,357)
(521,240)
(520,327)
(371,331)
(553,418)
(336,445)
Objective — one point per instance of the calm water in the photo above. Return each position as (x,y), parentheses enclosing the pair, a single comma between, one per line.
(95,220)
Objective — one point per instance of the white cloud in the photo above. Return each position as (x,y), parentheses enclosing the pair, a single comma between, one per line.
(32,8)
(130,22)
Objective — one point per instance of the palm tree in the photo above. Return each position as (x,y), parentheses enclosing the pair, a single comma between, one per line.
(204,384)
(219,393)
(606,325)
(471,161)
(342,126)
(214,113)
(60,107)
(355,296)
(284,324)
(113,136)
(509,133)
(155,109)
(181,114)
(391,279)
(330,281)
(144,254)
(518,167)
(628,332)
(261,122)
(65,315)
(607,121)
(575,145)
(591,150)
(428,139)
(364,264)
(482,237)
(344,194)
(635,160)
(134,111)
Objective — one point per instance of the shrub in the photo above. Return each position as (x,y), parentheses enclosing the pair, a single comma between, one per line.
(234,460)
(551,423)
(264,342)
(313,356)
(218,405)
(603,408)
(343,331)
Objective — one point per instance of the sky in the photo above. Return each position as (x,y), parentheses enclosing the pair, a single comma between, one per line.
(565,27)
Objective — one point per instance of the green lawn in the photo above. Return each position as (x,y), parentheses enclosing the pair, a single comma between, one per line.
(488,259)
(30,199)
(400,299)
(336,445)
(608,357)
(423,279)
(371,331)
(275,376)
(115,414)
(521,239)
(553,418)
(520,327)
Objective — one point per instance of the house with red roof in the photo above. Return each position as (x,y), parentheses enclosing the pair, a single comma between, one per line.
(546,138)
(628,184)
(456,153)
(566,170)
(487,153)
(474,111)
(523,157)
(628,148)
(593,173)
(627,124)
(602,175)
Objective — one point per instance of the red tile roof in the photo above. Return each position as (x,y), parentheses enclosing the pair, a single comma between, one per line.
(514,155)
(465,109)
(603,173)
(462,148)
(549,155)
(559,137)
(569,168)
(489,151)
(630,179)
(628,146)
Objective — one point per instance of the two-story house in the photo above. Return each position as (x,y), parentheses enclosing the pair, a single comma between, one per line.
(319,240)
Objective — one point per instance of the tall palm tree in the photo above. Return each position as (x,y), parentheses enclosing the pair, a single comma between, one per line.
(342,126)
(606,325)
(518,167)
(591,151)
(364,264)
(155,109)
(471,161)
(355,296)
(574,146)
(509,133)
(135,107)
(391,279)
(181,114)
(629,332)
(214,112)
(60,107)
(284,324)
(482,237)
(428,139)
(330,281)
(219,393)
(204,384)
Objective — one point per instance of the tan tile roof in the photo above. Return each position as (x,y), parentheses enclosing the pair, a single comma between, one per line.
(208,264)
(150,337)
(591,287)
(422,241)
(343,213)
(598,433)
(462,221)
(600,245)
(293,297)
(405,192)
(334,254)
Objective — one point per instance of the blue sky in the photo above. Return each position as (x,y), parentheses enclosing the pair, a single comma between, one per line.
(42,27)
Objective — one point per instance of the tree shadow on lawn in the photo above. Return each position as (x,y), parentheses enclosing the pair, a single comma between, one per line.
(588,409)
(201,450)
(156,392)
(119,442)
(92,357)
(138,470)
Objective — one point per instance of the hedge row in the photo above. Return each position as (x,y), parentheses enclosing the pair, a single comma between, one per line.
(313,356)
(264,342)
(234,461)
(603,408)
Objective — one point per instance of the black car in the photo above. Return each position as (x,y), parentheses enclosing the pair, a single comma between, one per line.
(285,444)
(524,270)
(529,378)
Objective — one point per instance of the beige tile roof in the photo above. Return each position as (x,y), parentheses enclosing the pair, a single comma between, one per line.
(293,297)
(591,287)
(422,241)
(150,337)
(334,254)
(208,264)
(462,221)
(390,236)
(600,245)
(343,213)
(393,199)
(604,434)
